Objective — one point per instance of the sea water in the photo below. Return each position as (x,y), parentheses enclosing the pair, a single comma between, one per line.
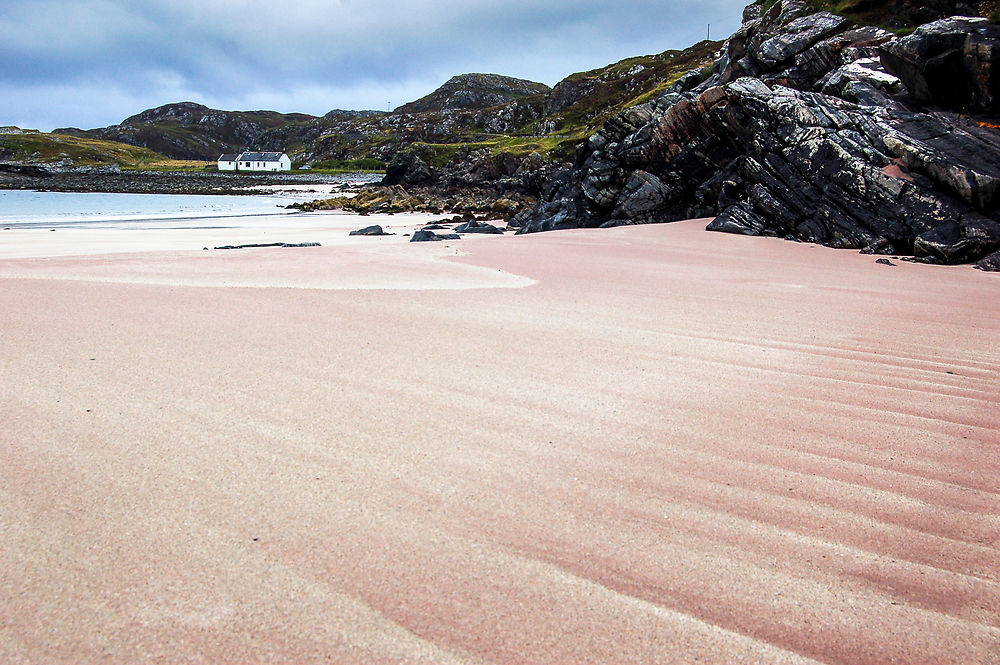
(27,209)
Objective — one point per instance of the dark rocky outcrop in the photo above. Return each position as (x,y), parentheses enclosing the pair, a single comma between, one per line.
(407,169)
(428,236)
(474,226)
(811,129)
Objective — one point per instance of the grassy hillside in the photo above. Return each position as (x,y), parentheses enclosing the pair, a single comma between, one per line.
(609,90)
(40,148)
(580,104)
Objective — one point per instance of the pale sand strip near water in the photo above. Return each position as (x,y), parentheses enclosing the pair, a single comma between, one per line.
(182,253)
(663,445)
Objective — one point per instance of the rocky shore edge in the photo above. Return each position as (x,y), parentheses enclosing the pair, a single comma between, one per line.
(392,199)
(115,180)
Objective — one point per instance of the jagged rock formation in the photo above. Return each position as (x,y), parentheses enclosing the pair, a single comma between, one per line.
(812,129)
(537,133)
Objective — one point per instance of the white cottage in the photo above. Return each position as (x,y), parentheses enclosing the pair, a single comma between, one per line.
(228,162)
(255,161)
(263,161)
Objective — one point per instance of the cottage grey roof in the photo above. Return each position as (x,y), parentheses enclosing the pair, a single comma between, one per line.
(260,156)
(228,157)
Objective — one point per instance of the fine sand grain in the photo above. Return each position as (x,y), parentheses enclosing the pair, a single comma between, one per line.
(640,445)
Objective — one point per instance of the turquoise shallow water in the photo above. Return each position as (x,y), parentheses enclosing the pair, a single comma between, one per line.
(29,208)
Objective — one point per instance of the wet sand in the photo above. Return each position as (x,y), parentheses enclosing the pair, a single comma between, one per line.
(638,445)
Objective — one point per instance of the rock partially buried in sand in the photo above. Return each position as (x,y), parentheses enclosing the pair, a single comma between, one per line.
(477,227)
(884,262)
(374,230)
(426,236)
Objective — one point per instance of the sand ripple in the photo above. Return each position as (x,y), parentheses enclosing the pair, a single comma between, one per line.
(673,446)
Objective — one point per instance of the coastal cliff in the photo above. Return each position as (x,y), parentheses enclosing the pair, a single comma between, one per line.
(811,128)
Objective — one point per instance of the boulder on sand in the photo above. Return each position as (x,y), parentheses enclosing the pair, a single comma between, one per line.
(429,236)
(477,227)
(374,230)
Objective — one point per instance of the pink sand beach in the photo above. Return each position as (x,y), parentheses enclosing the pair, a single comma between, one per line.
(639,445)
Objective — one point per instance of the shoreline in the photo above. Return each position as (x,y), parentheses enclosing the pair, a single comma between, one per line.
(154,237)
(114,181)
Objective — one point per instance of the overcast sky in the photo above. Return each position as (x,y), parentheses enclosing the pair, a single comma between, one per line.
(92,63)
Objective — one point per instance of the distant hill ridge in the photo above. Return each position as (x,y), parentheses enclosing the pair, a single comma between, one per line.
(474,91)
(187,130)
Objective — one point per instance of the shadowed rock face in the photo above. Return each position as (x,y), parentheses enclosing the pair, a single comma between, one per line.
(949,63)
(810,129)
